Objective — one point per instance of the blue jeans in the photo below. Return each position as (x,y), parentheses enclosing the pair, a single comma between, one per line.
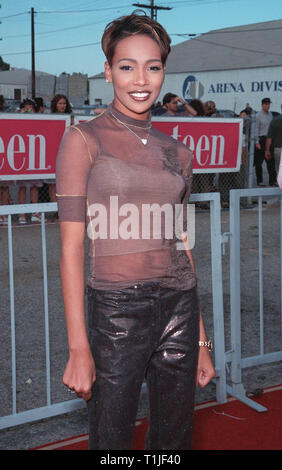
(143,332)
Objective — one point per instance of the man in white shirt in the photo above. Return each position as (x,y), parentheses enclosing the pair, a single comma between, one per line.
(263,119)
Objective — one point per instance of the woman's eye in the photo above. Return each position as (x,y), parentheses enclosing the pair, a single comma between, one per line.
(155,68)
(125,67)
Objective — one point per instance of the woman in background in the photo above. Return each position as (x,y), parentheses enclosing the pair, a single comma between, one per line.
(59,104)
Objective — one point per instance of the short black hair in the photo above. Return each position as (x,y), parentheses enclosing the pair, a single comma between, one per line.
(27,102)
(132,25)
(168,97)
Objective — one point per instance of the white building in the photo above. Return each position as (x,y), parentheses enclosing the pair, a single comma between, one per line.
(16,84)
(13,84)
(231,66)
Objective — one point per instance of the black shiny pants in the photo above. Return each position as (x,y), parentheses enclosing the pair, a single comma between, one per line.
(136,333)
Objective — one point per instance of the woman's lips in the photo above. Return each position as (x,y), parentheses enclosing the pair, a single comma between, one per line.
(139,95)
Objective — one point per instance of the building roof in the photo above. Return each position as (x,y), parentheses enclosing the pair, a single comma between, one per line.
(17,76)
(99,75)
(239,47)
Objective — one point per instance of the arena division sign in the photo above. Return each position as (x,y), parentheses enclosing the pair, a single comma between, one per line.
(29,143)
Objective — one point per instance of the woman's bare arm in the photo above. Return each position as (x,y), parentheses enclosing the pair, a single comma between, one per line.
(80,371)
(205,371)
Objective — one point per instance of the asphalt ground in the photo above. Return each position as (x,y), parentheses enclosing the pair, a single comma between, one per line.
(29,314)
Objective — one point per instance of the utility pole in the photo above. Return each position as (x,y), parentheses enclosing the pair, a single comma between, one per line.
(32,56)
(1,23)
(152,7)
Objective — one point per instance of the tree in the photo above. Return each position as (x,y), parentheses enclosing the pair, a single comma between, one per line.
(3,65)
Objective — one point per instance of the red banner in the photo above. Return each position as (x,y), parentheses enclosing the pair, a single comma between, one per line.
(215,142)
(29,145)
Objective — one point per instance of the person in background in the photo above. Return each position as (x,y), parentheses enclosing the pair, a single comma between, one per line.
(263,120)
(28,106)
(5,198)
(198,107)
(4,185)
(39,105)
(210,109)
(248,109)
(201,182)
(43,192)
(236,179)
(170,105)
(274,140)
(2,103)
(59,105)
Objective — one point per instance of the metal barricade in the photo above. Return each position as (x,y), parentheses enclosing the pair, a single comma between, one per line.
(53,409)
(50,409)
(235,357)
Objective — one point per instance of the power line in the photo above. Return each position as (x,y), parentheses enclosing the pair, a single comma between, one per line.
(55,49)
(237,48)
(84,11)
(99,42)
(171,34)
(16,14)
(56,30)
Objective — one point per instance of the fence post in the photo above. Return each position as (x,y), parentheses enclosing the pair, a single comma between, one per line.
(251,154)
(12,309)
(217,289)
(237,388)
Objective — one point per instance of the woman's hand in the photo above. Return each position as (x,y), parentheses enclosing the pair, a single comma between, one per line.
(80,374)
(205,371)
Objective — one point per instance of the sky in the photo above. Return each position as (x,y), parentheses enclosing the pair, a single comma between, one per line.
(68,32)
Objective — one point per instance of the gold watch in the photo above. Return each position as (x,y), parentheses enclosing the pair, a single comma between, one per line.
(206,344)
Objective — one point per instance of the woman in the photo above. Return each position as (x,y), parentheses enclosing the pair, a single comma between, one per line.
(143,311)
(59,104)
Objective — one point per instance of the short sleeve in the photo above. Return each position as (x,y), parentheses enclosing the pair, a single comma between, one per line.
(73,165)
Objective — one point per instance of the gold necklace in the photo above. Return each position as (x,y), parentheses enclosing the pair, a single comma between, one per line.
(144,141)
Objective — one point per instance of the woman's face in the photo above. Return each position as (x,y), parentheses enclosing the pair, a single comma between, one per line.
(137,74)
(61,105)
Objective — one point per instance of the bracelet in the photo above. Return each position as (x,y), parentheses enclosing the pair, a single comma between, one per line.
(206,344)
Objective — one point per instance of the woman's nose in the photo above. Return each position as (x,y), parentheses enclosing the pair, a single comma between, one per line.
(141,77)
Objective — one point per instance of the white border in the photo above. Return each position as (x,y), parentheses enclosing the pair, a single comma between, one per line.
(87,117)
(34,117)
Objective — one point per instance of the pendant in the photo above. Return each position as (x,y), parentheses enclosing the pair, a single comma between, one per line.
(144,141)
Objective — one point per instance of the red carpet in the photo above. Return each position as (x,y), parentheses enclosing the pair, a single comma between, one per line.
(230,426)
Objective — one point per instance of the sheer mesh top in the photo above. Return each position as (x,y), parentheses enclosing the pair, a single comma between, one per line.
(129,196)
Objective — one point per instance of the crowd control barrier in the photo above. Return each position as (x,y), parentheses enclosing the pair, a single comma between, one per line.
(223,359)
